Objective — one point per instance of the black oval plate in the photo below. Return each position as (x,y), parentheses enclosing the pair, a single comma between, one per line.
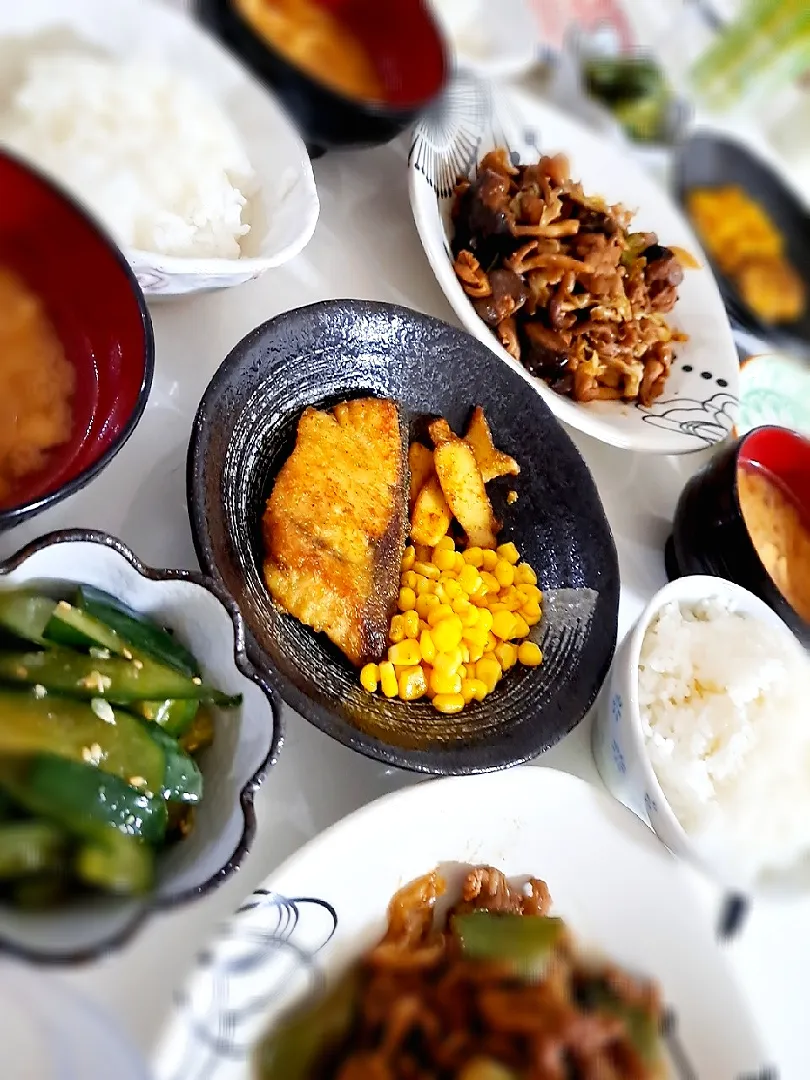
(707,160)
(245,429)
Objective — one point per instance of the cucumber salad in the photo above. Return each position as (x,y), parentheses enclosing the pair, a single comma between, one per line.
(102,713)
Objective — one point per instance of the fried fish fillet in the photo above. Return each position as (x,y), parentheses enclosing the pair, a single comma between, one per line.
(334,527)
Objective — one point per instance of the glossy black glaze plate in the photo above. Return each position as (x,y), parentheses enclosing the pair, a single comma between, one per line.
(245,429)
(709,160)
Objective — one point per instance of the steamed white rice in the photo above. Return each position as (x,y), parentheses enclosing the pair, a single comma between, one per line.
(143,147)
(724,711)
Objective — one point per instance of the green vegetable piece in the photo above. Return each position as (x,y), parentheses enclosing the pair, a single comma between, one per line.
(25,614)
(182,781)
(40,892)
(116,863)
(175,717)
(525,943)
(82,799)
(293,1048)
(76,629)
(640,1024)
(93,733)
(30,847)
(137,630)
(200,734)
(121,681)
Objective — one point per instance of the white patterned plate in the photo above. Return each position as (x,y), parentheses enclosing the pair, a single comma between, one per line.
(614,882)
(700,403)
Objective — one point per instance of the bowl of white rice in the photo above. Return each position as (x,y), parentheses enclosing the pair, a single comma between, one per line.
(702,730)
(187,162)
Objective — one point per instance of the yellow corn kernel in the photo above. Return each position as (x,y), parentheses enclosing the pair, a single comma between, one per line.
(506,654)
(479,597)
(485,619)
(409,557)
(406,600)
(455,658)
(503,625)
(423,625)
(410,621)
(427,646)
(439,612)
(443,558)
(447,632)
(452,589)
(508,552)
(409,580)
(474,556)
(396,631)
(448,703)
(405,653)
(461,603)
(521,627)
(425,587)
(469,579)
(388,679)
(479,688)
(468,615)
(422,553)
(442,683)
(530,654)
(459,562)
(426,569)
(489,560)
(465,653)
(491,583)
(439,593)
(531,613)
(505,573)
(412,683)
(467,689)
(474,635)
(447,663)
(369,677)
(511,599)
(489,671)
(476,652)
(424,602)
(445,544)
(495,606)
(490,643)
(524,575)
(530,592)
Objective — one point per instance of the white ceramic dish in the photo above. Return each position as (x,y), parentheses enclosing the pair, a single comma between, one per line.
(774,389)
(245,745)
(618,741)
(700,403)
(497,41)
(285,211)
(610,878)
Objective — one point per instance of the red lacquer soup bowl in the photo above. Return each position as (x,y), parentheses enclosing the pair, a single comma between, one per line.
(99,314)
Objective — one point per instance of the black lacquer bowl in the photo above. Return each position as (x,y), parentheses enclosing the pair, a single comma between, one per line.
(709,533)
(244,431)
(707,160)
(403,41)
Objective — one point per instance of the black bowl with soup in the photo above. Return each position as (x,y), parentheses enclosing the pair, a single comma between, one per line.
(746,518)
(353,73)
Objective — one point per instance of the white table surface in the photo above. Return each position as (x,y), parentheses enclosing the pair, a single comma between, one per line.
(365,246)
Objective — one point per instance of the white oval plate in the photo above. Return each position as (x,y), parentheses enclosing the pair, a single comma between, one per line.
(285,210)
(700,403)
(609,876)
(497,41)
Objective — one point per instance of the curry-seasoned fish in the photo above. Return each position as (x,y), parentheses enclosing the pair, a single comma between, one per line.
(334,527)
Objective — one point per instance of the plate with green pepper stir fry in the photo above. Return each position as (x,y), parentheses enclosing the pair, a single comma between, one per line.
(103,712)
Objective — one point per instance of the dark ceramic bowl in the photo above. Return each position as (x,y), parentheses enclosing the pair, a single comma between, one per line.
(707,160)
(246,743)
(709,534)
(100,315)
(244,431)
(403,41)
